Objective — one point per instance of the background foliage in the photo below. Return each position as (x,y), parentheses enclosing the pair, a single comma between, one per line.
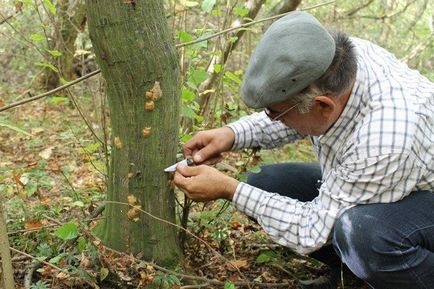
(54,152)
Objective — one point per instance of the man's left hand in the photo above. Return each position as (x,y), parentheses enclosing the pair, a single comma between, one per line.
(204,183)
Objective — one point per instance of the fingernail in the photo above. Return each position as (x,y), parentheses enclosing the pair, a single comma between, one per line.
(197,158)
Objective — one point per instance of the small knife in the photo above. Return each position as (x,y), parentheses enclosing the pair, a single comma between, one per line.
(185,162)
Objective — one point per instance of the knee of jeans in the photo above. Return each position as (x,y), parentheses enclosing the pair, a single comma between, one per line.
(258,179)
(367,248)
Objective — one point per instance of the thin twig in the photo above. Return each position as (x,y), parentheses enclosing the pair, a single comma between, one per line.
(184,230)
(56,225)
(80,111)
(198,278)
(247,25)
(93,285)
(51,91)
(29,275)
(177,46)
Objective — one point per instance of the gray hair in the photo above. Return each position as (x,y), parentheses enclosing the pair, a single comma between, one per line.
(337,78)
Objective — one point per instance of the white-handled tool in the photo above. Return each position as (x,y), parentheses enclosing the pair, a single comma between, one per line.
(185,162)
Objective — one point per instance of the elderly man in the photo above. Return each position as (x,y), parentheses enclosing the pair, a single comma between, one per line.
(371,121)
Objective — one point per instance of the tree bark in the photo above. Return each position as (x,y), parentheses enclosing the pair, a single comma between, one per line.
(136,53)
(6,270)
(69,20)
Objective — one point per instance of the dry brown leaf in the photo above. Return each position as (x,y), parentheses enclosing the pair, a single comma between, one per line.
(240,264)
(33,224)
(46,153)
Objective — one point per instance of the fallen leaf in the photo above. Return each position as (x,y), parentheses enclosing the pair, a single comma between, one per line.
(46,153)
(239,264)
(33,224)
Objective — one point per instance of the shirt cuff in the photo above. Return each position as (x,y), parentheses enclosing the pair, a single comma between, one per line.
(240,141)
(247,198)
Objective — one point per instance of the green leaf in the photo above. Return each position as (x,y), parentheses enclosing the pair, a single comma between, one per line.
(233,77)
(55,53)
(255,170)
(58,99)
(67,232)
(242,178)
(229,285)
(37,37)
(56,259)
(241,11)
(186,137)
(103,273)
(93,147)
(187,95)
(265,257)
(47,65)
(81,244)
(188,112)
(184,36)
(173,280)
(217,68)
(198,76)
(30,188)
(50,6)
(207,5)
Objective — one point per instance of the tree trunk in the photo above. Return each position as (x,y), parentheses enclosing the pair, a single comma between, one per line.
(69,20)
(6,270)
(136,53)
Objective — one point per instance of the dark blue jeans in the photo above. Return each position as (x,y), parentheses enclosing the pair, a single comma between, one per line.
(389,246)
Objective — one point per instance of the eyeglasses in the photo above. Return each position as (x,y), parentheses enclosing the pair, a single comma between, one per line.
(269,112)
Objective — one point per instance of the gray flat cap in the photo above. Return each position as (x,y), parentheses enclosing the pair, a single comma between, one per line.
(295,51)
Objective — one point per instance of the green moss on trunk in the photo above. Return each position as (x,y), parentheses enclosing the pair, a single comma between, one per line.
(135,50)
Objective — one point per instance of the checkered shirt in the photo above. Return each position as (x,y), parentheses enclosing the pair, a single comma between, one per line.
(379,150)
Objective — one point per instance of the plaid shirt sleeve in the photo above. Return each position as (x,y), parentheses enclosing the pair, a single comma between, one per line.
(306,226)
(379,151)
(258,130)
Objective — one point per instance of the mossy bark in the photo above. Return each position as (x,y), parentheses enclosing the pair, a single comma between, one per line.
(135,49)
(69,20)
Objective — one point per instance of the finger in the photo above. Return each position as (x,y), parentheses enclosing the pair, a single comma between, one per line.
(192,146)
(205,154)
(180,181)
(187,171)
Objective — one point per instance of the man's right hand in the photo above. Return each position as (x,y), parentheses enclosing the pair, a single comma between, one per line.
(206,146)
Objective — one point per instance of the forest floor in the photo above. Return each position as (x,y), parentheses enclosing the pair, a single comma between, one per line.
(52,174)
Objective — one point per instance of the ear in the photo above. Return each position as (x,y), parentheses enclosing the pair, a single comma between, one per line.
(327,106)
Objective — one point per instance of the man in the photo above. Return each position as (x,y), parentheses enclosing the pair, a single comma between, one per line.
(371,120)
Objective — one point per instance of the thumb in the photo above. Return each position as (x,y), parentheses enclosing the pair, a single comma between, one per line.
(204,154)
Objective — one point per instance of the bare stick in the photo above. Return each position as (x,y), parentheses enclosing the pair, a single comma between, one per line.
(177,46)
(7,272)
(247,25)
(198,278)
(184,230)
(51,91)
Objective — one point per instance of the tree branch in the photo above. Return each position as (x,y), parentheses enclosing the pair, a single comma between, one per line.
(177,46)
(51,91)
